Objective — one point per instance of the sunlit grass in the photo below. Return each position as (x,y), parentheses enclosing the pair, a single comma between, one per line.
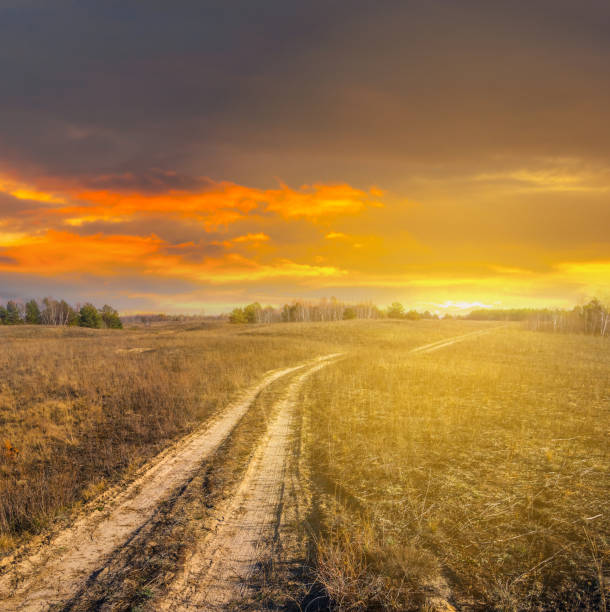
(80,408)
(489,455)
(476,473)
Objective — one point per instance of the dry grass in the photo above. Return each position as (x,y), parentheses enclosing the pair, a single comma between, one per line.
(482,466)
(80,408)
(477,473)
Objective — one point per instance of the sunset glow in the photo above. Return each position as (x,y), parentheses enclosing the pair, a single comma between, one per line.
(300,184)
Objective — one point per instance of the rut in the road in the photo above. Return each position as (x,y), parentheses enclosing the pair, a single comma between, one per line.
(434,346)
(55,572)
(218,570)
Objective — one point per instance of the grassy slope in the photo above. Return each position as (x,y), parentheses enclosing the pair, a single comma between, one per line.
(485,462)
(78,410)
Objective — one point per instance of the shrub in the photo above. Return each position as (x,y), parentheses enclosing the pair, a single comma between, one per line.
(238,316)
(349,313)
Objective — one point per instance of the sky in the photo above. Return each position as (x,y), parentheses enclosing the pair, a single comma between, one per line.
(196,155)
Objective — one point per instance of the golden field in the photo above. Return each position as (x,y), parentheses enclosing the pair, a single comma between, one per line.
(475,474)
(79,408)
(479,470)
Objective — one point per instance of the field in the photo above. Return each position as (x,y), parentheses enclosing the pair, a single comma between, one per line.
(479,470)
(78,408)
(470,474)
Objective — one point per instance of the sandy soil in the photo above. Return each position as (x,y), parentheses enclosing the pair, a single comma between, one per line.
(218,570)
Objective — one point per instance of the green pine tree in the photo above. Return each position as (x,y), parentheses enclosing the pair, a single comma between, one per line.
(12,313)
(32,313)
(396,311)
(90,317)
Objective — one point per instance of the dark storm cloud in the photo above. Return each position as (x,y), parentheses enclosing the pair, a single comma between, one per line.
(19,214)
(10,206)
(173,231)
(89,85)
(223,88)
(150,180)
(127,292)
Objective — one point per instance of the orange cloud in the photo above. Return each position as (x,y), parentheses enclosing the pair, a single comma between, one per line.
(26,192)
(258,237)
(213,205)
(55,254)
(224,204)
(319,200)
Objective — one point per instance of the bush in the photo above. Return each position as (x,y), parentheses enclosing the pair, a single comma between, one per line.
(349,313)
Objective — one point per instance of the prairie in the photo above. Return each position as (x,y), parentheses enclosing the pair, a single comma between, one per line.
(476,474)
(81,408)
(473,475)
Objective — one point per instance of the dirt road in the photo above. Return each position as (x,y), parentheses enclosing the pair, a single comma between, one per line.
(217,572)
(434,346)
(51,575)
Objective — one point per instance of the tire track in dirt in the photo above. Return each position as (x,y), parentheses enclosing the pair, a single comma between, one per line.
(218,570)
(434,346)
(50,575)
(217,575)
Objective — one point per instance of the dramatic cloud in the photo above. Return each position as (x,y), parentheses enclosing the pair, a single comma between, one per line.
(221,151)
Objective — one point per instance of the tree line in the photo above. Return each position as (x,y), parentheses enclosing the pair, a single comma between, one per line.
(58,312)
(160,317)
(304,311)
(591,318)
(326,309)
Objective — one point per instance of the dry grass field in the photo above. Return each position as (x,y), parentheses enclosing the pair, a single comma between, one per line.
(474,474)
(81,408)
